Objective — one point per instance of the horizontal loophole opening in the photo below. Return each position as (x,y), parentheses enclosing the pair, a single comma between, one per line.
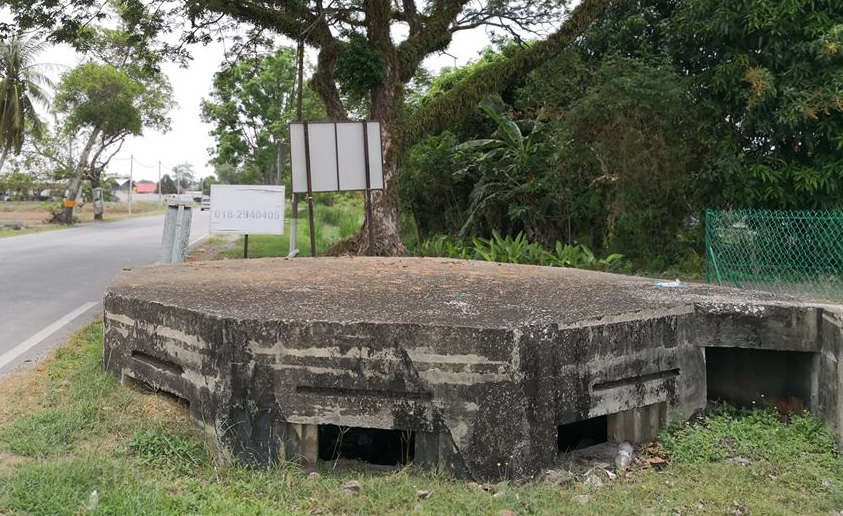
(158,363)
(364,393)
(632,380)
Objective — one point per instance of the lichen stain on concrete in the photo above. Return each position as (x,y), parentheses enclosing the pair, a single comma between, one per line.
(482,361)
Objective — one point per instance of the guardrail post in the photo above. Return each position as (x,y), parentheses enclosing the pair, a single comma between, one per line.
(176,235)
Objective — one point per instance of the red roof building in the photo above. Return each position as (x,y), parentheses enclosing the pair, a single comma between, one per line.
(145,188)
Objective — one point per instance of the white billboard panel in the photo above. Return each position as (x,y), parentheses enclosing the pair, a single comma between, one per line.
(297,156)
(337,152)
(323,157)
(375,156)
(247,209)
(351,156)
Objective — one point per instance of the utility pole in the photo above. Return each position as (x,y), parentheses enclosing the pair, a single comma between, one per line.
(131,173)
(279,165)
(159,182)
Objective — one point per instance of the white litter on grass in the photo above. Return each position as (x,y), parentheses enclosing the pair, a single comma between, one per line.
(669,284)
(93,501)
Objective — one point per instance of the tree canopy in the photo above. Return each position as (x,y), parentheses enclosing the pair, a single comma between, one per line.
(23,84)
(252,101)
(358,56)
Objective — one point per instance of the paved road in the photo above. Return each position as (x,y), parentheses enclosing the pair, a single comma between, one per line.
(51,283)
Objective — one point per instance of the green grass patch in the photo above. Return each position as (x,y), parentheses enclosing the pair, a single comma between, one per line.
(756,434)
(142,456)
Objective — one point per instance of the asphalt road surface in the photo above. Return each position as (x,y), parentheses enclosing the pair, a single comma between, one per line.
(51,283)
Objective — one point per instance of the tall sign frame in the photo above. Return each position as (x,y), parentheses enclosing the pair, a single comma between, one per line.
(334,157)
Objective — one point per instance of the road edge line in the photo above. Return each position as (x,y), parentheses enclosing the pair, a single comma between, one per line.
(9,356)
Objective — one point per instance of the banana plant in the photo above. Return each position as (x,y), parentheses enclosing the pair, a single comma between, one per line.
(514,174)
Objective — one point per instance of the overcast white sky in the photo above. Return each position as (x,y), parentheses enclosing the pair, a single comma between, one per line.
(188,140)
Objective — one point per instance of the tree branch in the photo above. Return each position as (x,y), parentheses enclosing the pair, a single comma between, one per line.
(460,102)
(433,34)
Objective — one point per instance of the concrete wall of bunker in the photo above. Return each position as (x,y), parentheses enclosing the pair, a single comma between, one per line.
(480,403)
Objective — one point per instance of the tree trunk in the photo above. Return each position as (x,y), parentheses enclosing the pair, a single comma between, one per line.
(96,195)
(75,182)
(386,227)
(3,157)
(386,216)
(387,101)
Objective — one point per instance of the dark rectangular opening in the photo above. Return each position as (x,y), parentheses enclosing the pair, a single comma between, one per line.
(750,378)
(363,393)
(582,434)
(635,380)
(158,363)
(372,445)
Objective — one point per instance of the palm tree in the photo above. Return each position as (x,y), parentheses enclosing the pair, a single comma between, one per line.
(22,84)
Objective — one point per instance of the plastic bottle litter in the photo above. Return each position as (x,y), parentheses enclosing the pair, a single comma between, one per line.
(93,501)
(624,456)
(669,284)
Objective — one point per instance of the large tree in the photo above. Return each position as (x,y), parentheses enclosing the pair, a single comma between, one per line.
(357,49)
(23,84)
(106,105)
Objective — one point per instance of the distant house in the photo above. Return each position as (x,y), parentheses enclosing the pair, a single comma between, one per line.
(145,187)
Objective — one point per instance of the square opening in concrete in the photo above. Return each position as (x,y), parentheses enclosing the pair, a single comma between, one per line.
(372,445)
(582,434)
(750,378)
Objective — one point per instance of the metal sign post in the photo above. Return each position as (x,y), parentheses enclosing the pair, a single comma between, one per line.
(294,227)
(245,246)
(369,229)
(309,191)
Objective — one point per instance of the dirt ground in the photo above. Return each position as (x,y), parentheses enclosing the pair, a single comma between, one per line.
(213,248)
(35,215)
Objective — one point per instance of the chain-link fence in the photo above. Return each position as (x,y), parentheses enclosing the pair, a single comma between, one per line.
(791,252)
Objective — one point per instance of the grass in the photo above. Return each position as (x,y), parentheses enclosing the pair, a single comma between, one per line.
(28,230)
(67,429)
(336,216)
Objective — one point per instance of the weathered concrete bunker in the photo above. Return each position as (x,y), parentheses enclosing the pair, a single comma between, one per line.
(486,370)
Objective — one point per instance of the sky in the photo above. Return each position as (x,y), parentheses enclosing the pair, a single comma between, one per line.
(188,140)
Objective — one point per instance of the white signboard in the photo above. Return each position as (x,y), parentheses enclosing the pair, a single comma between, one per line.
(247,209)
(338,153)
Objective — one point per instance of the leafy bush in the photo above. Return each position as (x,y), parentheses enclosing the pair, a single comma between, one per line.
(517,250)
(516,181)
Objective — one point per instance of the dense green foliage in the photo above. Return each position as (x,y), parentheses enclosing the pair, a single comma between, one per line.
(663,109)
(518,250)
(100,96)
(252,101)
(167,185)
